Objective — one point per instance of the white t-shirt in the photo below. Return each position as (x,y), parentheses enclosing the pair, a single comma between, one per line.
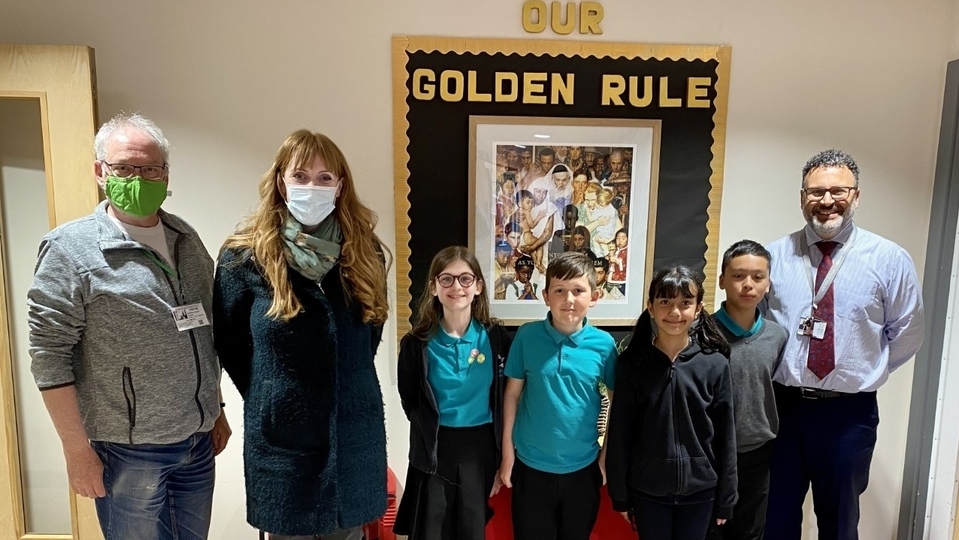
(153,236)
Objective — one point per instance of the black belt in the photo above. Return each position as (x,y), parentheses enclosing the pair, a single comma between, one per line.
(813,393)
(817,393)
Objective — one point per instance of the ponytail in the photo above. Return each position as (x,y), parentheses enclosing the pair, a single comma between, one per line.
(707,334)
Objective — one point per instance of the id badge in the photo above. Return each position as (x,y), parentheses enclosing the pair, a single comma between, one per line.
(189,317)
(818,329)
(805,327)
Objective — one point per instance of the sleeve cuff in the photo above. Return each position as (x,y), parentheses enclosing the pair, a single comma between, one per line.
(55,386)
(724,512)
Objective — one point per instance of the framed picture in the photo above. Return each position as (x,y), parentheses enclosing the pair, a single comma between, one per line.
(543,186)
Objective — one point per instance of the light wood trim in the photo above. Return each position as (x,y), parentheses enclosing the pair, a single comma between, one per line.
(11,492)
(63,79)
(86,526)
(65,76)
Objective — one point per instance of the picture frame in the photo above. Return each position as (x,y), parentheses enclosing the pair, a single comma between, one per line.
(599,200)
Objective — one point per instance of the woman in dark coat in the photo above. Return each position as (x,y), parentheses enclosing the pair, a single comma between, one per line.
(300,300)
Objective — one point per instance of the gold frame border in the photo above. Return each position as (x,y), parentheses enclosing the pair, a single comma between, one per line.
(402,44)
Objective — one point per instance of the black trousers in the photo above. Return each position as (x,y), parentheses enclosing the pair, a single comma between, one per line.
(548,506)
(749,515)
(827,443)
(662,521)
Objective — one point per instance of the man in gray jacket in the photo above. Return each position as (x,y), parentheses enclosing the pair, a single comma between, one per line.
(122,347)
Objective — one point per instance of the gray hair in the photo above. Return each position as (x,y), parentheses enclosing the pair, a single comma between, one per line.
(831,158)
(129,121)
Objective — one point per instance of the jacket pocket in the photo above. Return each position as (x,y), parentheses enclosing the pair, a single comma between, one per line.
(297,419)
(130,394)
(700,474)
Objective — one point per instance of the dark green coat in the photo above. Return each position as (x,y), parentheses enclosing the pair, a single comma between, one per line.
(314,444)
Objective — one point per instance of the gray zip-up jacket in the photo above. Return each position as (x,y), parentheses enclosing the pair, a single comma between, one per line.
(100,319)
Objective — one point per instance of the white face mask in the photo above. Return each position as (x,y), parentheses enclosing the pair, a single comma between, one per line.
(310,204)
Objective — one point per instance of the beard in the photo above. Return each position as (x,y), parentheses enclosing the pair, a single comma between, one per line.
(830,228)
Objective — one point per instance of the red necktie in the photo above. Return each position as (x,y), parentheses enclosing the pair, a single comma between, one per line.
(822,354)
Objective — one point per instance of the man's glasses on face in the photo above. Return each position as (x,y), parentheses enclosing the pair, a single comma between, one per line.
(837,193)
(446,280)
(149,172)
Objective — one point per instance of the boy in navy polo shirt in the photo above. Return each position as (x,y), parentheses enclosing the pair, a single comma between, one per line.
(551,454)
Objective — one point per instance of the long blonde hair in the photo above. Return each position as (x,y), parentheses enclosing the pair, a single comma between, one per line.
(363,256)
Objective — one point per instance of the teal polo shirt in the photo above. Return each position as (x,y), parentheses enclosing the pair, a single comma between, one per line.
(555,429)
(460,372)
(734,328)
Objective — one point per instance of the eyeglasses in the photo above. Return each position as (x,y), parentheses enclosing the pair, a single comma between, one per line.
(446,280)
(837,193)
(150,172)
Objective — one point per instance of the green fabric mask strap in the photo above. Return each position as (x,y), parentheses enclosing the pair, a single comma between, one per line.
(164,266)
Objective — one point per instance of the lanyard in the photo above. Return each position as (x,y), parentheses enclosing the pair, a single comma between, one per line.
(831,275)
(163,266)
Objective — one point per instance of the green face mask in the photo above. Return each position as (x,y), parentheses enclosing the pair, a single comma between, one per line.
(136,195)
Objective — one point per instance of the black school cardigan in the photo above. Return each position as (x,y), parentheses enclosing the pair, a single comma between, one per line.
(419,404)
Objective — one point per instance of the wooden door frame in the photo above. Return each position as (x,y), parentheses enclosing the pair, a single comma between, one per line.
(63,80)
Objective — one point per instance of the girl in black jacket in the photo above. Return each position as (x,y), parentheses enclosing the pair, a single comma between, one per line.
(450,380)
(671,453)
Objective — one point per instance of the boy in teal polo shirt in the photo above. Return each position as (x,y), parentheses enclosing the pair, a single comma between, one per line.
(551,454)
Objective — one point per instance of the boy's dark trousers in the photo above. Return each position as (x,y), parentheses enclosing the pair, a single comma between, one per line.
(548,506)
(749,515)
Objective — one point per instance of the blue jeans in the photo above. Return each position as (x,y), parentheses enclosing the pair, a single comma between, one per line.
(157,491)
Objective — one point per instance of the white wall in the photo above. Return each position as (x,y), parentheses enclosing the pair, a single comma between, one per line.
(227,80)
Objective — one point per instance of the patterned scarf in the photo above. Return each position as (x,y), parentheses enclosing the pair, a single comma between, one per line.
(313,254)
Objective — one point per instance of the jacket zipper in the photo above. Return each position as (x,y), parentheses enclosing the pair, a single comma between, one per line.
(196,351)
(131,399)
(679,467)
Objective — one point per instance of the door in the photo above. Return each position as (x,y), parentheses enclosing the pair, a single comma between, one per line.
(47,95)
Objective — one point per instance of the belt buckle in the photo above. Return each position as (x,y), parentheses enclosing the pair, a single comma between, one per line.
(809,393)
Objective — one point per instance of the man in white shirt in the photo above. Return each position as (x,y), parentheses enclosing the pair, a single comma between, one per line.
(851,304)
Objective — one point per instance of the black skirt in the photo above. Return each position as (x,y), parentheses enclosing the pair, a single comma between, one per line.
(453,502)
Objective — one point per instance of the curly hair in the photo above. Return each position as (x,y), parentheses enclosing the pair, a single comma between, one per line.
(831,158)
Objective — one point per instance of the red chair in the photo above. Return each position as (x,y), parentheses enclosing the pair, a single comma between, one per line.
(382,529)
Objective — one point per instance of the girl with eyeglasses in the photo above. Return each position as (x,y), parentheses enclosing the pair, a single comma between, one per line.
(450,381)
